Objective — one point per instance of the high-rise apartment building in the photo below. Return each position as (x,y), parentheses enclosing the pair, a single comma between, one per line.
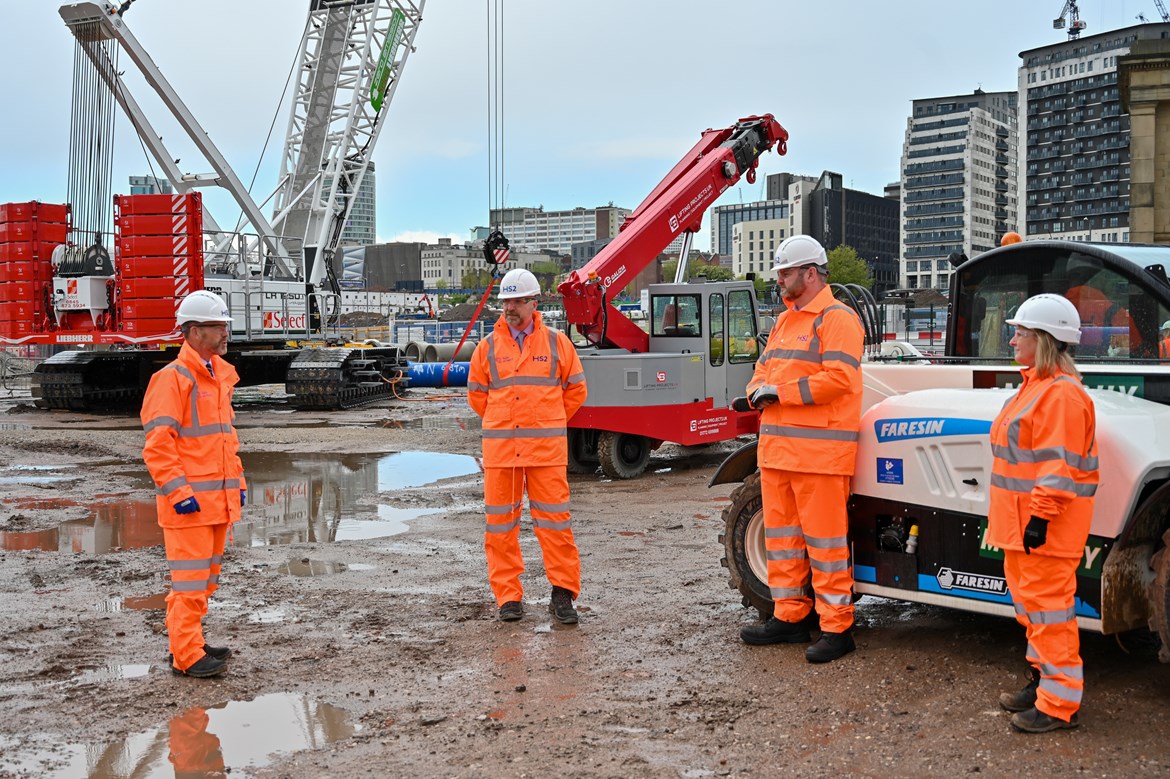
(537,230)
(958,182)
(724,218)
(1076,138)
(149,185)
(361,226)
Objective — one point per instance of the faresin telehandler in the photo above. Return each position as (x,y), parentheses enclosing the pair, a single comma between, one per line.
(918,510)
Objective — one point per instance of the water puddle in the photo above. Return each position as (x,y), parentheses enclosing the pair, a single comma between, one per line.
(235,737)
(307,567)
(111,673)
(143,603)
(432,423)
(292,499)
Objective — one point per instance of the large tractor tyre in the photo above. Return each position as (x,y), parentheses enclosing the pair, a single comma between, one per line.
(582,455)
(745,555)
(1160,597)
(623,455)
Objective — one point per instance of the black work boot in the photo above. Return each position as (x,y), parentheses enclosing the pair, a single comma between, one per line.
(218,652)
(203,668)
(511,611)
(1025,698)
(1035,721)
(775,631)
(561,606)
(830,646)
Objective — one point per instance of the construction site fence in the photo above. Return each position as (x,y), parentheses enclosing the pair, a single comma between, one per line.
(17,364)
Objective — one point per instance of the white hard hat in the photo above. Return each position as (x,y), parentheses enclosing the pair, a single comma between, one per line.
(519,283)
(1166,325)
(202,306)
(1054,314)
(800,250)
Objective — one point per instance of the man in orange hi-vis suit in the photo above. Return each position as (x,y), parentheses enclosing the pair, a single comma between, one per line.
(191,452)
(1043,478)
(808,385)
(526,381)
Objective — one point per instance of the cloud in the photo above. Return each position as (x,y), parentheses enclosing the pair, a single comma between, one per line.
(422,236)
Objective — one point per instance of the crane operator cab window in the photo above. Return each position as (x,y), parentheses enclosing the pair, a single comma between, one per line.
(741,324)
(1119,309)
(715,310)
(676,316)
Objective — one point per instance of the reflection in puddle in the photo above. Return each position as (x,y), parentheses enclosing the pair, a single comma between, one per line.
(432,423)
(144,603)
(294,499)
(112,673)
(231,737)
(307,567)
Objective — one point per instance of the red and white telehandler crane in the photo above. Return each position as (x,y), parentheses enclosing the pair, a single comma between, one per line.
(675,382)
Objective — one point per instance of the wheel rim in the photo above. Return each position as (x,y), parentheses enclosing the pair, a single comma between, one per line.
(630,449)
(755,551)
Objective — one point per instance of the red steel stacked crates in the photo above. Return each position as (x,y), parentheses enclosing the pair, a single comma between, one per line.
(28,234)
(159,256)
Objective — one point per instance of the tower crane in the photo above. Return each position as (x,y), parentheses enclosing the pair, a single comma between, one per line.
(1162,10)
(1070,15)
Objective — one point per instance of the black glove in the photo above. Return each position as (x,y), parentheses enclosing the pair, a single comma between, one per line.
(741,404)
(762,398)
(1035,534)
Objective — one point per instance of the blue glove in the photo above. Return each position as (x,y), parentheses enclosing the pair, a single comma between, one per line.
(188,506)
(243,497)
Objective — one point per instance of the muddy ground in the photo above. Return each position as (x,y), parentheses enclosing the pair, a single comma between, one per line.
(354,596)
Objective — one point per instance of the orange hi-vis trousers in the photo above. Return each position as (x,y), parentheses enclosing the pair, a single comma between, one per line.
(806,532)
(548,502)
(1043,589)
(194,555)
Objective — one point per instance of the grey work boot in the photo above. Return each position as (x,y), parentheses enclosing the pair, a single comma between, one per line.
(1035,721)
(830,646)
(1025,698)
(561,606)
(775,631)
(511,611)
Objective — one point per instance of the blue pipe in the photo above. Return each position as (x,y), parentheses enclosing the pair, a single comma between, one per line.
(430,374)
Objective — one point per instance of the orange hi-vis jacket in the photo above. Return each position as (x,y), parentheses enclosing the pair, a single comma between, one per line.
(525,398)
(1045,465)
(813,364)
(191,447)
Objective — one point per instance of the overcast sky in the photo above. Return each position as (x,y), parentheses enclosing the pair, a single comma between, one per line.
(601,98)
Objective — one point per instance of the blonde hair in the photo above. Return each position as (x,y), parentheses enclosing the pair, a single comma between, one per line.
(1051,355)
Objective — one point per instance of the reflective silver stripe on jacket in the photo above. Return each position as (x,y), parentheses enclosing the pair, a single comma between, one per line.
(527,432)
(551,380)
(1055,482)
(787,431)
(194,430)
(1014,455)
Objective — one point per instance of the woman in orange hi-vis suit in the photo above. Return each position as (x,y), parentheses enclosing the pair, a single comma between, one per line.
(1043,479)
(526,381)
(808,383)
(191,453)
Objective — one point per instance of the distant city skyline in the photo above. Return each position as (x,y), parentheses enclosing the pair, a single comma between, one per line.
(597,108)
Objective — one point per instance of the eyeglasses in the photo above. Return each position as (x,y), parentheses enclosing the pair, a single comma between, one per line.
(519,301)
(211,325)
